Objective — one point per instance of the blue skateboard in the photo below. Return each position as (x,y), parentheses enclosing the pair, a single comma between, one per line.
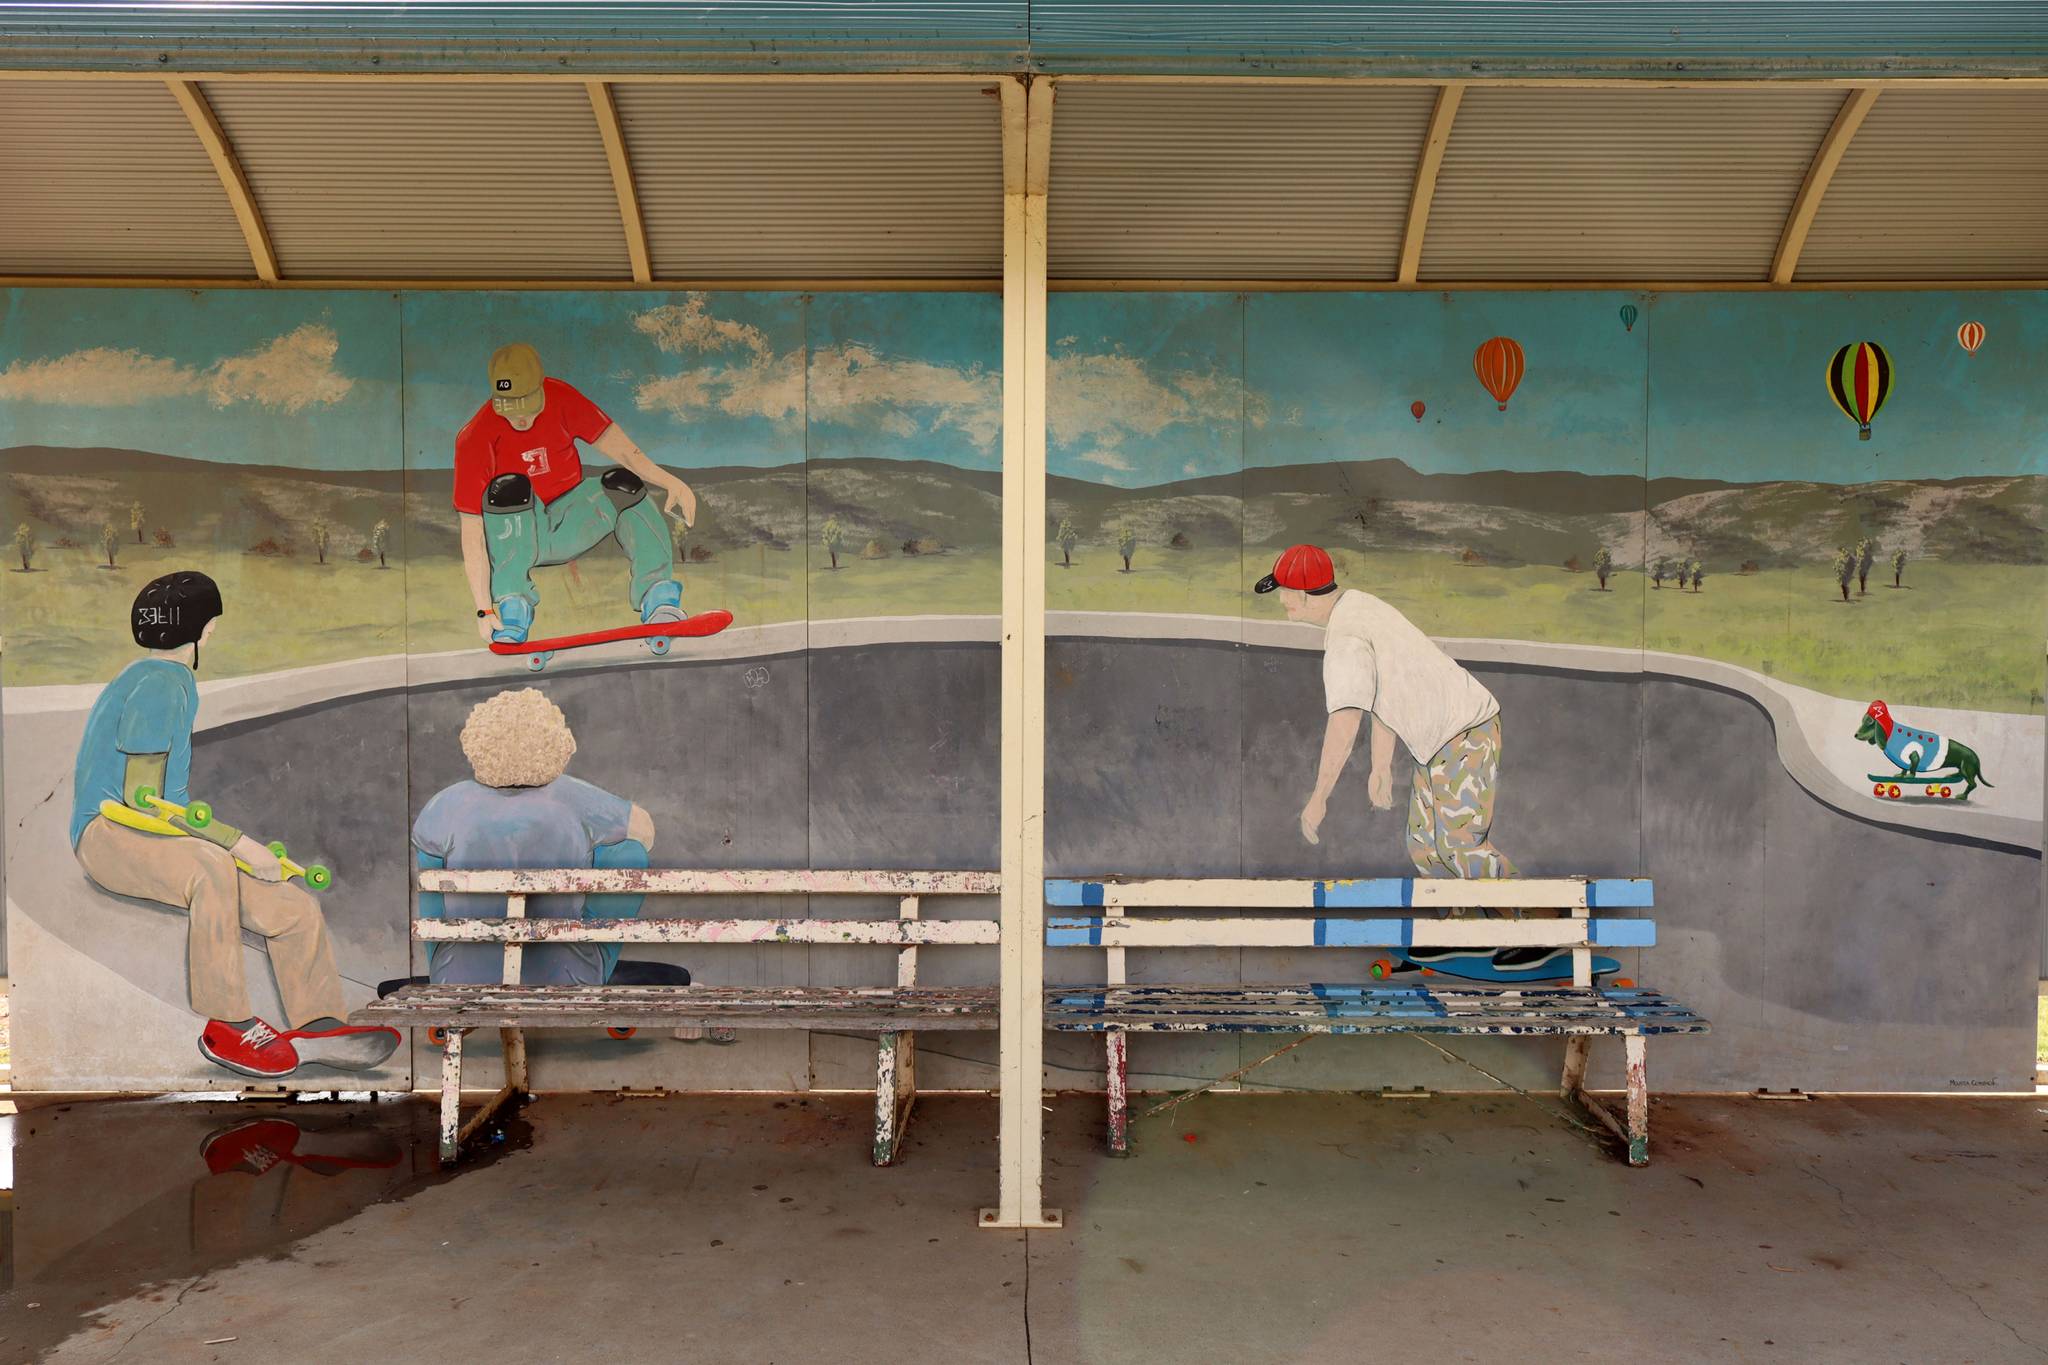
(1478,965)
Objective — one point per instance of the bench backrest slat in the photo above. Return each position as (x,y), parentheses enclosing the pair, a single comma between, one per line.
(701,882)
(1367,893)
(1127,931)
(891,933)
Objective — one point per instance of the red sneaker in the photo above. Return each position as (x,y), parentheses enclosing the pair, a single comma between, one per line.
(350,1047)
(252,1147)
(256,1051)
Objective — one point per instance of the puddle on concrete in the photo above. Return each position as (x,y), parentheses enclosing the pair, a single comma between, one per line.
(115,1197)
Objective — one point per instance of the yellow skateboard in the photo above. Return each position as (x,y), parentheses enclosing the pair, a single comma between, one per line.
(199,815)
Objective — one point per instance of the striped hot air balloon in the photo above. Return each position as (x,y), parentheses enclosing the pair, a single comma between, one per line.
(1498,363)
(1859,380)
(1970,336)
(1628,317)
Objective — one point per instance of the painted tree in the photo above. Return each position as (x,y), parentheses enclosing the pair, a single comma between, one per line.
(321,533)
(1699,574)
(25,545)
(1898,568)
(1603,565)
(1659,571)
(1066,537)
(1866,551)
(135,520)
(380,534)
(831,534)
(110,541)
(1126,543)
(1845,569)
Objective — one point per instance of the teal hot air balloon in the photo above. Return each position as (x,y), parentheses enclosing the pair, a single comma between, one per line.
(1628,317)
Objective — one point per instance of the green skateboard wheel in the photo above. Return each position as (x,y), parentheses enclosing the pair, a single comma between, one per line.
(318,877)
(199,815)
(144,798)
(276,847)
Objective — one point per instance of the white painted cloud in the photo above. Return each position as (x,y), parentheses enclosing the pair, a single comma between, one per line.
(736,372)
(854,385)
(291,373)
(1109,459)
(1106,398)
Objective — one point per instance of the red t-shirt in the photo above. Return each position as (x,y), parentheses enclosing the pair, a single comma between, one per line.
(545,452)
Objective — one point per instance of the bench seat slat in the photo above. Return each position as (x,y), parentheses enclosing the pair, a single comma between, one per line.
(893,933)
(1131,931)
(1365,893)
(1361,1009)
(863,1008)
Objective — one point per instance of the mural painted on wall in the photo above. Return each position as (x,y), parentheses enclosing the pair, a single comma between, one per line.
(367,490)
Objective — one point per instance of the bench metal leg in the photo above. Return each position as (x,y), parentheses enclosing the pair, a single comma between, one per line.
(451,1096)
(514,1042)
(1638,1101)
(1117,1071)
(895,1093)
(1576,1048)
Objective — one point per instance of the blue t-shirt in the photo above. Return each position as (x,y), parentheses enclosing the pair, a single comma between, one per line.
(561,824)
(148,708)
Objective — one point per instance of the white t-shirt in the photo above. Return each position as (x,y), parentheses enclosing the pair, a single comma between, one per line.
(1375,659)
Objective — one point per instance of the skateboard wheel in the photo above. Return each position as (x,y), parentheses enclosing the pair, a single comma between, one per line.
(1623,982)
(1381,969)
(437,1036)
(1944,793)
(1877,790)
(144,797)
(276,847)
(319,878)
(622,1033)
(1892,791)
(658,646)
(1934,791)
(199,814)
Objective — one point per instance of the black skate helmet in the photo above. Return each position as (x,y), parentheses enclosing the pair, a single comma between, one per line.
(173,610)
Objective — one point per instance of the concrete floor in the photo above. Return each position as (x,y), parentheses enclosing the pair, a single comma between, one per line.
(1247,1228)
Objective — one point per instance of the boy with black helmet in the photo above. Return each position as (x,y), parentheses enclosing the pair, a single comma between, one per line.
(139,734)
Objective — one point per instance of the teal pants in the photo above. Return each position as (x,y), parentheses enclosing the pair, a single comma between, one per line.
(562,530)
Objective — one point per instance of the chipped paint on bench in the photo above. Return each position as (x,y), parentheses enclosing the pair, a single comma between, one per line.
(887,933)
(662,881)
(1133,932)
(1368,893)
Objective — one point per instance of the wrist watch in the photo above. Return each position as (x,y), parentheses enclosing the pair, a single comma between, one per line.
(482,612)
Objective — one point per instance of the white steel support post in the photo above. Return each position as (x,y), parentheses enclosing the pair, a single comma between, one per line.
(1027,146)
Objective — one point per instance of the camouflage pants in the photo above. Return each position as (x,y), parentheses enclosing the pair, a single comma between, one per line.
(1450,810)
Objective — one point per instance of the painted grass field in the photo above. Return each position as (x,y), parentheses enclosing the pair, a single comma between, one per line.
(1959,636)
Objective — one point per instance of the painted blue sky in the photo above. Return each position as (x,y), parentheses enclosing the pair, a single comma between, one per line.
(245,376)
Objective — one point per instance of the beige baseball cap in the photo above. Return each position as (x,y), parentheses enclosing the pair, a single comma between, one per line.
(515,380)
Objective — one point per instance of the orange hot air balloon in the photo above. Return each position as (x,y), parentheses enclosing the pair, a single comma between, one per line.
(1970,336)
(1498,363)
(1418,409)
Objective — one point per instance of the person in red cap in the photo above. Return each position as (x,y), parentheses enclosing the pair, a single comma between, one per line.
(1376,662)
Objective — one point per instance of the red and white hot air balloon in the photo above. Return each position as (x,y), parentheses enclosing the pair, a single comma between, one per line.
(1970,336)
(1498,363)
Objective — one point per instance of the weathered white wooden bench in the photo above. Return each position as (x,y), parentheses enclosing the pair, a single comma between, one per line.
(896,1013)
(1578,1012)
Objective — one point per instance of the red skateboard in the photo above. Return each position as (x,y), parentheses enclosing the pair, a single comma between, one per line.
(657,634)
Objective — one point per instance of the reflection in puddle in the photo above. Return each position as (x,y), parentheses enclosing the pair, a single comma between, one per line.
(114,1196)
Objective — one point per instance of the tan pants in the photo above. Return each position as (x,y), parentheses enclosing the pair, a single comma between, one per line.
(202,880)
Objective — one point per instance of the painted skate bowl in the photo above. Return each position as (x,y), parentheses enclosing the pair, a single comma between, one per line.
(1831,950)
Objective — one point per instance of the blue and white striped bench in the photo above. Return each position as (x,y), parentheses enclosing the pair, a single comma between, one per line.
(1536,1002)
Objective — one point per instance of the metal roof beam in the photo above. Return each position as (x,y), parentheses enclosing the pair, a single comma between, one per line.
(606,111)
(1807,205)
(262,255)
(1448,97)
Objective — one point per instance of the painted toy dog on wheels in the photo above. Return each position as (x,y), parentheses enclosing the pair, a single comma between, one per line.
(1926,760)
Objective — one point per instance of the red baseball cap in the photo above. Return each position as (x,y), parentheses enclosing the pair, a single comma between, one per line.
(1305,568)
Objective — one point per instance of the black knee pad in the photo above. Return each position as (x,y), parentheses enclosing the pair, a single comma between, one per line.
(623,487)
(508,493)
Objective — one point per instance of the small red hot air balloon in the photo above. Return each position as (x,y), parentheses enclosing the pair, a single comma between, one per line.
(1418,409)
(1498,363)
(1970,336)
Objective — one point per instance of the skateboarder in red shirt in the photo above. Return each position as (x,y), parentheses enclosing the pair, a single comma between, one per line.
(523,499)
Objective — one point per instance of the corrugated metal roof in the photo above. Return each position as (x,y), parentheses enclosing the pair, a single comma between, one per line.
(109,178)
(1938,185)
(1219,182)
(1386,37)
(427,181)
(818,180)
(1621,185)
